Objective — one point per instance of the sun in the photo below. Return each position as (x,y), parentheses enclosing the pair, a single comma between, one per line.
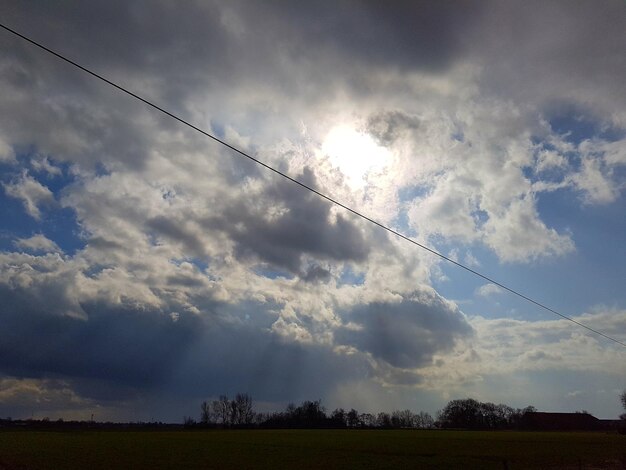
(355,153)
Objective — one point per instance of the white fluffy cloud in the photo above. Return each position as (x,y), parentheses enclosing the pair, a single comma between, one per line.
(31,193)
(37,243)
(7,155)
(487,290)
(506,350)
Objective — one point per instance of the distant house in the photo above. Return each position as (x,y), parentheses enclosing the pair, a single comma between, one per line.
(565,422)
(613,424)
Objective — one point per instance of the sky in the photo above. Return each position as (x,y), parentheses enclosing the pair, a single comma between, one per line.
(145,268)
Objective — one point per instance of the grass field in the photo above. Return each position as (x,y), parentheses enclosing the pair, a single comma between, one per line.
(308,449)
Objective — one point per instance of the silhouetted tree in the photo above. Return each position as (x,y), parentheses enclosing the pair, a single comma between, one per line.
(338,418)
(367,420)
(403,419)
(259,418)
(472,414)
(461,414)
(310,414)
(352,418)
(241,410)
(623,400)
(221,410)
(232,413)
(504,415)
(395,419)
(236,412)
(383,420)
(466,413)
(205,413)
(424,420)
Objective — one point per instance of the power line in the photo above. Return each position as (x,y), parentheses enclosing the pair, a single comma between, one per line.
(307,187)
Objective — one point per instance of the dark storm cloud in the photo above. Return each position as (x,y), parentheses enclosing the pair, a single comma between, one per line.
(301,227)
(123,345)
(57,111)
(72,116)
(405,334)
(407,35)
(173,230)
(213,36)
(185,281)
(271,368)
(118,352)
(75,117)
(103,245)
(316,273)
(386,127)
(554,52)
(132,40)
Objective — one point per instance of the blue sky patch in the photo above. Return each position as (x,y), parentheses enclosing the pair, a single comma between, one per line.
(578,125)
(271,273)
(201,265)
(350,277)
(57,223)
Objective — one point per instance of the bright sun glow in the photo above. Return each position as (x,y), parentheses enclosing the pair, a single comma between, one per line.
(356,154)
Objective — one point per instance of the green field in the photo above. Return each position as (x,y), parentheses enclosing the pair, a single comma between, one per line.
(308,449)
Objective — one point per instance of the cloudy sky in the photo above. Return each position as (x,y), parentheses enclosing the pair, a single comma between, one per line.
(144,268)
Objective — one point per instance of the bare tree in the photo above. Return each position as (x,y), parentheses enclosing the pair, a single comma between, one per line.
(338,417)
(352,418)
(623,400)
(244,413)
(383,420)
(205,413)
(368,420)
(407,419)
(221,410)
(424,420)
(233,413)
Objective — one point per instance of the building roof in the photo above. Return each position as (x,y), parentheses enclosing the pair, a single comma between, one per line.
(570,421)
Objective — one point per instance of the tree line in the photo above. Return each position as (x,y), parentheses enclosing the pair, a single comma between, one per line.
(228,413)
(466,413)
(472,414)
